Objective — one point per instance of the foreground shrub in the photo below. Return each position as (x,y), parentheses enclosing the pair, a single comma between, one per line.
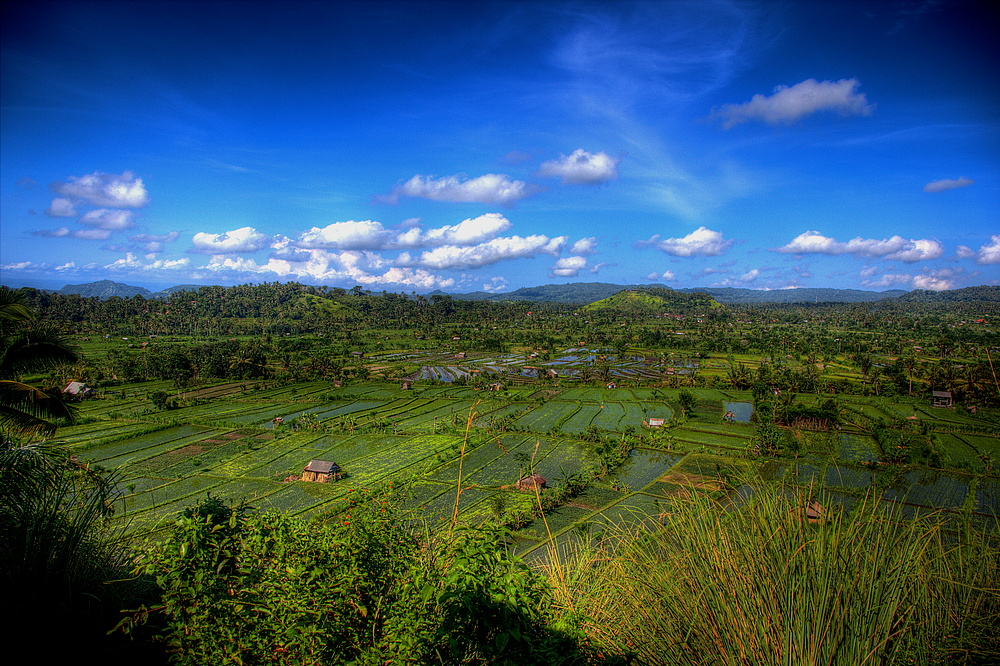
(60,545)
(261,588)
(756,583)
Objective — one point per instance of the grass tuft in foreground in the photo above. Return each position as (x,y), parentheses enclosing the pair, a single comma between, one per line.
(755,582)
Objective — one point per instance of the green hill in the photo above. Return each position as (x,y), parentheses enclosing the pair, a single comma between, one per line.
(653,300)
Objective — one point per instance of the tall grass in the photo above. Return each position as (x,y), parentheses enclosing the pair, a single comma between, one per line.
(755,583)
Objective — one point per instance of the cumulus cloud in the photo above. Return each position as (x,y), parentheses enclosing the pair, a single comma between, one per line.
(581,168)
(244,239)
(896,247)
(788,105)
(584,246)
(947,184)
(987,254)
(495,285)
(932,279)
(349,266)
(489,189)
(105,189)
(131,262)
(107,218)
(468,232)
(350,235)
(665,276)
(61,208)
(569,266)
(701,242)
(484,254)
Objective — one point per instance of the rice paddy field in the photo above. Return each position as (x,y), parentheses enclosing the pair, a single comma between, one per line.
(442,445)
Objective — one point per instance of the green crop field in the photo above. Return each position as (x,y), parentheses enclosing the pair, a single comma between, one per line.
(227,443)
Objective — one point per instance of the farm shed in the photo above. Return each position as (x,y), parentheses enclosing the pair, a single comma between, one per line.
(813,511)
(654,423)
(321,471)
(78,390)
(941,399)
(531,482)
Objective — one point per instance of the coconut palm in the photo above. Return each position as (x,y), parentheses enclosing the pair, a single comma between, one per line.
(25,410)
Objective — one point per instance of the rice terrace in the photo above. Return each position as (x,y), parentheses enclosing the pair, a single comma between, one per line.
(561,438)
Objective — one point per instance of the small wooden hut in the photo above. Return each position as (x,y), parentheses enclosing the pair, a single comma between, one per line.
(941,399)
(531,482)
(813,511)
(321,471)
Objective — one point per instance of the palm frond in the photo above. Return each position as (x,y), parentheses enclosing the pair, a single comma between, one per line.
(34,350)
(27,411)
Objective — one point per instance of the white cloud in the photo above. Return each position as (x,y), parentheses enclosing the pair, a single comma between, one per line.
(665,276)
(584,246)
(468,232)
(131,262)
(701,242)
(569,266)
(359,267)
(947,184)
(106,218)
(790,104)
(484,254)
(489,189)
(61,208)
(581,168)
(935,280)
(987,254)
(350,235)
(105,189)
(244,239)
(896,247)
(496,285)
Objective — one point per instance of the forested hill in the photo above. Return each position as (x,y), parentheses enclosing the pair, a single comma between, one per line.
(105,289)
(652,300)
(982,293)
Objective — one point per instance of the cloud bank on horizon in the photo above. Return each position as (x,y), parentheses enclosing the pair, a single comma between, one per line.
(430,145)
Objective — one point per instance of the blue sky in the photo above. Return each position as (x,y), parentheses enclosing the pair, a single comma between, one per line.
(463,146)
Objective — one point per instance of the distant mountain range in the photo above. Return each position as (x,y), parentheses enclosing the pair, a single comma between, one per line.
(582,293)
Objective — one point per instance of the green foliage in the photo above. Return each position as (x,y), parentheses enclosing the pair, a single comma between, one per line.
(59,542)
(687,401)
(256,588)
(652,300)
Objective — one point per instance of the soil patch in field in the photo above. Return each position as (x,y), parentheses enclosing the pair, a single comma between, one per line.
(189,450)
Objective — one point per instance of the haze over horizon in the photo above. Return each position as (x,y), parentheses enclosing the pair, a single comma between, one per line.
(415,146)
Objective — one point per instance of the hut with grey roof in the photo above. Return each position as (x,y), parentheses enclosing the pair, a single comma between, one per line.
(322,471)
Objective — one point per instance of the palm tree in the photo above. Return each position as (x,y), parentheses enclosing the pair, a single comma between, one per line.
(25,410)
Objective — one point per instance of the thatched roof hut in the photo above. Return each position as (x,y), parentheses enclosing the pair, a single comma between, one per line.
(531,482)
(321,471)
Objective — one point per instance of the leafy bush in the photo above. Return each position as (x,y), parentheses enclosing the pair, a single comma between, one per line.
(255,588)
